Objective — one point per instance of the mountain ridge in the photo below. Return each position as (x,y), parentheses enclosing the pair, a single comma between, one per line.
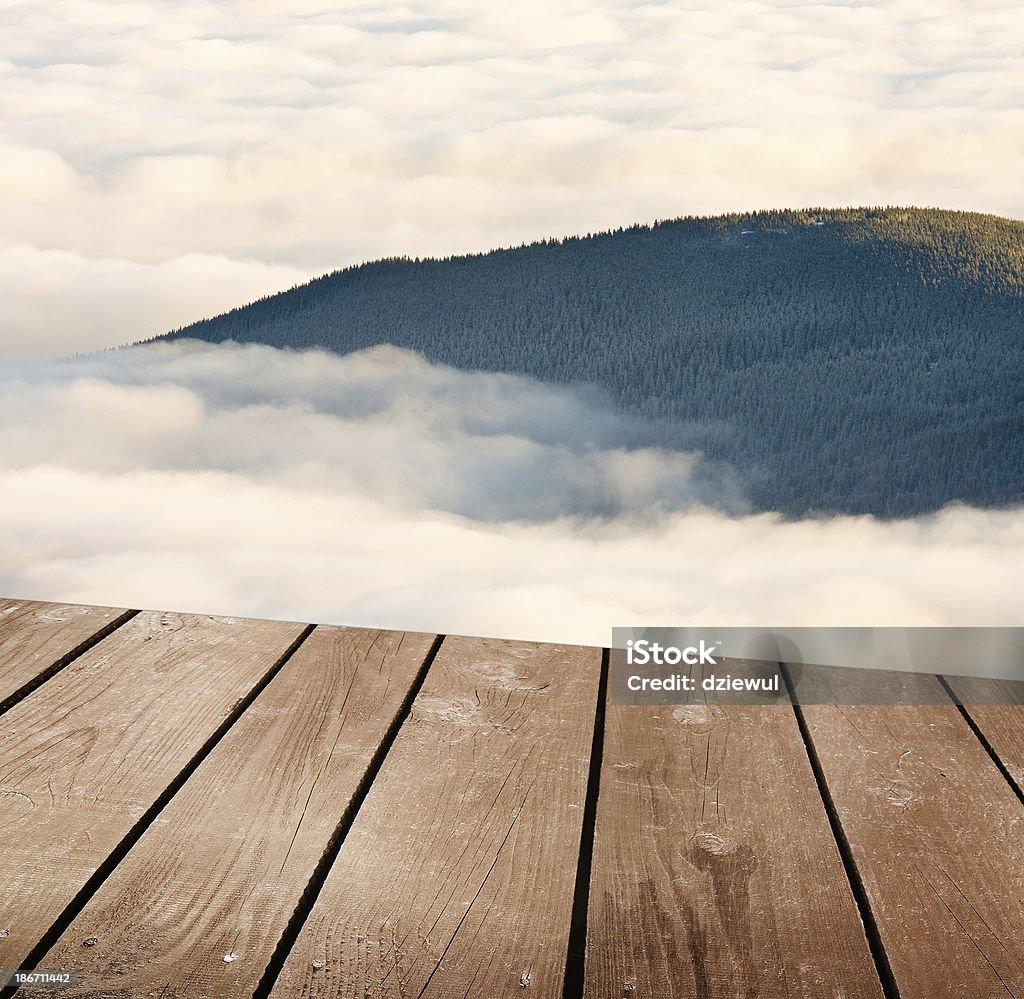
(864,359)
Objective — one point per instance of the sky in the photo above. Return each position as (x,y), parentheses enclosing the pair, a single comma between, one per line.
(161,162)
(379,490)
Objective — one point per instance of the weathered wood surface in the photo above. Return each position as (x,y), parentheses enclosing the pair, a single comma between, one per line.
(85,755)
(457,877)
(715,873)
(997,708)
(937,835)
(36,637)
(222,869)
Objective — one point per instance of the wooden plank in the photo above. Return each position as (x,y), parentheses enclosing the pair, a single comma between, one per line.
(996,707)
(457,876)
(937,835)
(715,873)
(36,637)
(84,756)
(222,869)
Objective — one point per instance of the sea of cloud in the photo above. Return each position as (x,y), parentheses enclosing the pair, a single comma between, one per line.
(377,489)
(162,161)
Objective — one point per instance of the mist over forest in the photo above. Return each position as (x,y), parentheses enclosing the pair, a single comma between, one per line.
(856,361)
(797,417)
(382,490)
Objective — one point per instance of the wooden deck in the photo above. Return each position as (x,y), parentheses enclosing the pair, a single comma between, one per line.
(200,806)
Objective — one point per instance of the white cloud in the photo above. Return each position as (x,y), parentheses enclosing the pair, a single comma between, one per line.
(382,424)
(299,137)
(380,490)
(116,298)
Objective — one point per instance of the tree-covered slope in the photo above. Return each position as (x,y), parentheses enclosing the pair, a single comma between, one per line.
(863,360)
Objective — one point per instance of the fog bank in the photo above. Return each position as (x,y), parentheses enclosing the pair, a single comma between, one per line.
(380,490)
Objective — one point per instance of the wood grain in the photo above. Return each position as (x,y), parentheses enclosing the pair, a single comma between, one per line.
(997,708)
(222,869)
(36,637)
(938,838)
(84,756)
(457,877)
(715,872)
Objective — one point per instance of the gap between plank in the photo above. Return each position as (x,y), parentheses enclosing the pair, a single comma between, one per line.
(576,952)
(323,868)
(986,745)
(65,660)
(882,967)
(78,903)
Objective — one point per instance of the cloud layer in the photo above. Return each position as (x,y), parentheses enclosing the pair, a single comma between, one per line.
(381,424)
(164,161)
(380,490)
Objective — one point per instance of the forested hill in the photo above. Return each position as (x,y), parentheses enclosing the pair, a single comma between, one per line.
(863,360)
